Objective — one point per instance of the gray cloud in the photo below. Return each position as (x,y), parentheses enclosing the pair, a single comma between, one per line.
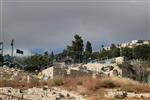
(51,25)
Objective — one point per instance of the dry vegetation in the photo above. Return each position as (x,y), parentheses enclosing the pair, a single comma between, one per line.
(92,88)
(106,83)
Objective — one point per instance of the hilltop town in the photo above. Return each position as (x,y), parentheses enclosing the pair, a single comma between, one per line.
(115,72)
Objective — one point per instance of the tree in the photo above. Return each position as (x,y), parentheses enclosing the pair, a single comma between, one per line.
(88,47)
(1,59)
(115,52)
(142,52)
(52,55)
(127,52)
(36,62)
(113,46)
(104,54)
(88,51)
(77,46)
(102,48)
(46,53)
(95,55)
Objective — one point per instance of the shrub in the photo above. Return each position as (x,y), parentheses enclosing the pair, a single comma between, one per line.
(58,82)
(108,84)
(34,82)
(44,88)
(91,84)
(141,88)
(79,82)
(128,89)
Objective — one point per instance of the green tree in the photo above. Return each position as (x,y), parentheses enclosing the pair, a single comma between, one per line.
(113,46)
(115,52)
(88,51)
(52,55)
(104,54)
(46,53)
(88,47)
(77,46)
(127,52)
(142,52)
(102,48)
(95,55)
(36,62)
(1,60)
(70,51)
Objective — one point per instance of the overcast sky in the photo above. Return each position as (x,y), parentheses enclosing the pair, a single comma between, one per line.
(51,25)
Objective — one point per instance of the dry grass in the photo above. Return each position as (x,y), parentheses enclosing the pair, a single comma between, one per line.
(83,85)
(108,82)
(128,85)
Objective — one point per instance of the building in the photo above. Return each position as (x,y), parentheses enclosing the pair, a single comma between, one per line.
(135,43)
(131,44)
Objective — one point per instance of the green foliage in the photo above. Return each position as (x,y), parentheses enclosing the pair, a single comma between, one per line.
(52,55)
(35,62)
(88,51)
(95,55)
(88,47)
(115,52)
(142,52)
(75,51)
(35,82)
(58,82)
(77,46)
(46,53)
(104,54)
(1,60)
(138,52)
(127,52)
(113,46)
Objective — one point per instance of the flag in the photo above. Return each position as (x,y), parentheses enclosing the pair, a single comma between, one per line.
(12,42)
(19,51)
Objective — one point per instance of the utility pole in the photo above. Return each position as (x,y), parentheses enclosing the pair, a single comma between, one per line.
(12,45)
(1,48)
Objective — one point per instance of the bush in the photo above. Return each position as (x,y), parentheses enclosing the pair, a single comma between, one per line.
(35,82)
(108,84)
(128,89)
(92,84)
(58,82)
(79,83)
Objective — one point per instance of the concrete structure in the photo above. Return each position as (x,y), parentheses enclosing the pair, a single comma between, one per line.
(104,69)
(95,69)
(52,72)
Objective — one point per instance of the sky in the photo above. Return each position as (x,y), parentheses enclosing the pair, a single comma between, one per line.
(49,25)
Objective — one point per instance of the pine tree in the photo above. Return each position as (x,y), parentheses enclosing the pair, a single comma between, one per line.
(77,46)
(88,47)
